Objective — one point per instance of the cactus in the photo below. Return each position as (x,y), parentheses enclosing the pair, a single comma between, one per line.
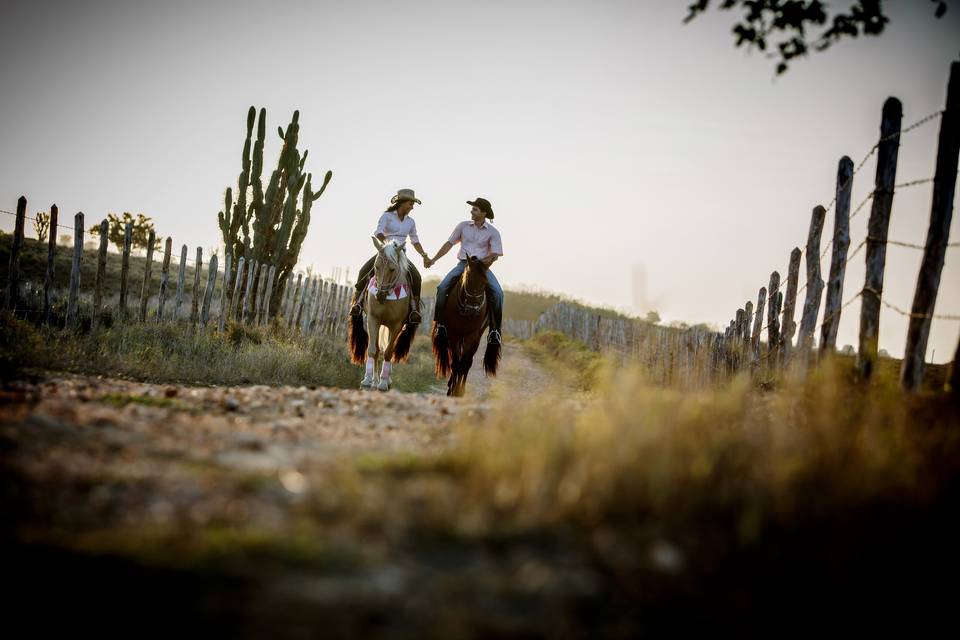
(272,225)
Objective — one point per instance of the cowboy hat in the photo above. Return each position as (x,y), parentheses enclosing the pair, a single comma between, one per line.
(484,205)
(404,195)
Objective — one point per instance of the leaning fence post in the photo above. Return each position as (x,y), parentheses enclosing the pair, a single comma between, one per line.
(838,262)
(164,278)
(148,267)
(938,234)
(789,326)
(73,300)
(195,297)
(747,326)
(877,235)
(101,273)
(224,288)
(51,253)
(811,303)
(13,274)
(181,279)
(237,283)
(208,292)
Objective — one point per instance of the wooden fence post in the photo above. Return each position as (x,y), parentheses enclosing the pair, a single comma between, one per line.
(164,278)
(181,280)
(237,284)
(101,273)
(51,253)
(224,289)
(125,270)
(291,314)
(251,272)
(738,337)
(811,303)
(877,236)
(758,323)
(789,326)
(148,267)
(773,318)
(310,290)
(838,262)
(938,234)
(271,274)
(261,291)
(195,298)
(208,292)
(73,300)
(13,274)
(748,327)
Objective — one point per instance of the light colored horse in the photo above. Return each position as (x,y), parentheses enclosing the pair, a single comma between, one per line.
(386,318)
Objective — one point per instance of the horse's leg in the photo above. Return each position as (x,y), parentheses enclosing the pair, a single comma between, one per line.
(466,360)
(393,330)
(453,384)
(373,346)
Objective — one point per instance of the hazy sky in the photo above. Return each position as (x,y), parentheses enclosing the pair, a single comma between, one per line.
(632,161)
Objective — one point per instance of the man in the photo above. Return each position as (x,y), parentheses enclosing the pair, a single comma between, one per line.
(395,224)
(478,238)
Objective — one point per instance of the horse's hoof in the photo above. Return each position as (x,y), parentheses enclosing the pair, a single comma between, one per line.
(366,385)
(384,385)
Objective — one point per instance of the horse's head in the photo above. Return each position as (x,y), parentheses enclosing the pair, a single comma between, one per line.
(390,265)
(473,287)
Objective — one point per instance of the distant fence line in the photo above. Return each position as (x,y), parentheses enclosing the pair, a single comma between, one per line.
(696,356)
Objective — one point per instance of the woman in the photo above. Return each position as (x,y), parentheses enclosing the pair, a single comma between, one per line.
(395,225)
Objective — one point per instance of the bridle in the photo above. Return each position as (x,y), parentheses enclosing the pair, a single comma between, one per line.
(385,287)
(470,304)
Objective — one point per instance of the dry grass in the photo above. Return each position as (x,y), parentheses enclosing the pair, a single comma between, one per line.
(170,352)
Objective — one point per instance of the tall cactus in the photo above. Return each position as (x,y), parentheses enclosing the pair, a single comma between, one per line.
(278,225)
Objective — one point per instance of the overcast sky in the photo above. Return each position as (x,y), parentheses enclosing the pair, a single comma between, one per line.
(632,161)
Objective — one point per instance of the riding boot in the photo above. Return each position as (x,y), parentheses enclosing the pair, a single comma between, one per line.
(414,317)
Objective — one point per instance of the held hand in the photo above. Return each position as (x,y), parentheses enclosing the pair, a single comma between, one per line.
(427,262)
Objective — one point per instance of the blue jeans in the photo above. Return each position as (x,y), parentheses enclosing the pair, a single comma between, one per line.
(494,294)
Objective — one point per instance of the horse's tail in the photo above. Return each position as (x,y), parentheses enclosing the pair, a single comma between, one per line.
(358,339)
(491,359)
(401,350)
(441,352)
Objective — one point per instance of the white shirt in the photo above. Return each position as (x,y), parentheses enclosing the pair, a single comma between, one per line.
(478,242)
(393,228)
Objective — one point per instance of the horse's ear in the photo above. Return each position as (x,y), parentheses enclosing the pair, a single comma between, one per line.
(377,243)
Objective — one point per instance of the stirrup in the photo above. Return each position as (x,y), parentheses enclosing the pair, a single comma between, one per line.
(356,310)
(414,317)
(494,337)
(440,330)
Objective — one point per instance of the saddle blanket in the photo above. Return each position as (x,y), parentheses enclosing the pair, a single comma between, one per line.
(397,293)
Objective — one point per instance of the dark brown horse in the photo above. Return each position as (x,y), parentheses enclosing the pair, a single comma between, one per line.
(465,316)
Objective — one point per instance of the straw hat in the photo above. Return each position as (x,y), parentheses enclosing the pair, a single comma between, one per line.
(404,195)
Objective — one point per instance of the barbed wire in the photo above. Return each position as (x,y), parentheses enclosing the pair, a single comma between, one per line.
(919,123)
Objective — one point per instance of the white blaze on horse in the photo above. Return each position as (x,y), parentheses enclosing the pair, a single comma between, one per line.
(388,307)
